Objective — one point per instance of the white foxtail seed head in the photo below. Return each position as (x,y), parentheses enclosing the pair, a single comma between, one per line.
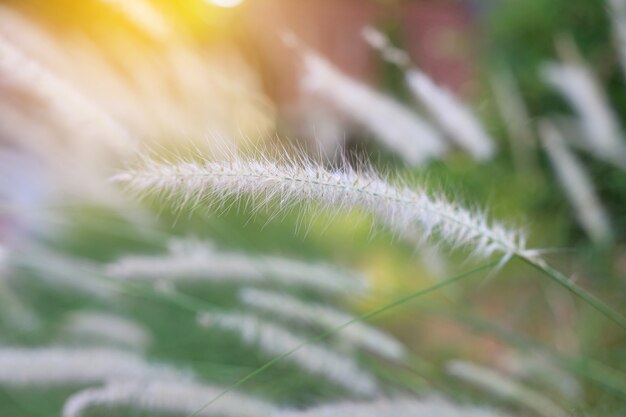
(377,40)
(53,367)
(505,387)
(192,260)
(292,309)
(400,407)
(454,117)
(577,84)
(541,370)
(104,328)
(170,397)
(71,108)
(577,185)
(295,180)
(315,359)
(394,125)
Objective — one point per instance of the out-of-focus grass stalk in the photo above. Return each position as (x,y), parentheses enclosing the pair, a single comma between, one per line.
(577,185)
(505,387)
(590,369)
(516,120)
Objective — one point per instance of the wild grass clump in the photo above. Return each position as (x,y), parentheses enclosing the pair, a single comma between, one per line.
(120,315)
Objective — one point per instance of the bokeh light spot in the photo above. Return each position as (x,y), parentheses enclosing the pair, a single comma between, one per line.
(225,3)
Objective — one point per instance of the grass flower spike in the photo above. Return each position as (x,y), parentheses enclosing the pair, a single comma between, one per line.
(400,407)
(504,387)
(295,310)
(190,260)
(107,329)
(393,124)
(602,133)
(298,179)
(454,117)
(50,367)
(577,185)
(172,397)
(312,358)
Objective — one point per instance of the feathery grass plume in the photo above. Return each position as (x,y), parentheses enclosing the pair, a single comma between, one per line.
(60,367)
(540,368)
(105,328)
(143,15)
(516,119)
(454,117)
(577,185)
(171,397)
(315,359)
(293,309)
(126,79)
(398,407)
(617,12)
(61,272)
(394,125)
(377,40)
(577,84)
(505,387)
(73,110)
(191,260)
(297,178)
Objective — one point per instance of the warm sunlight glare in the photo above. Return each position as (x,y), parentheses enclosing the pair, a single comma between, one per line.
(225,3)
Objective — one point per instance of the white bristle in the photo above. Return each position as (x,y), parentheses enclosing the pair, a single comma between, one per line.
(300,180)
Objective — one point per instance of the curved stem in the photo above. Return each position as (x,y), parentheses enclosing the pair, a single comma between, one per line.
(562,280)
